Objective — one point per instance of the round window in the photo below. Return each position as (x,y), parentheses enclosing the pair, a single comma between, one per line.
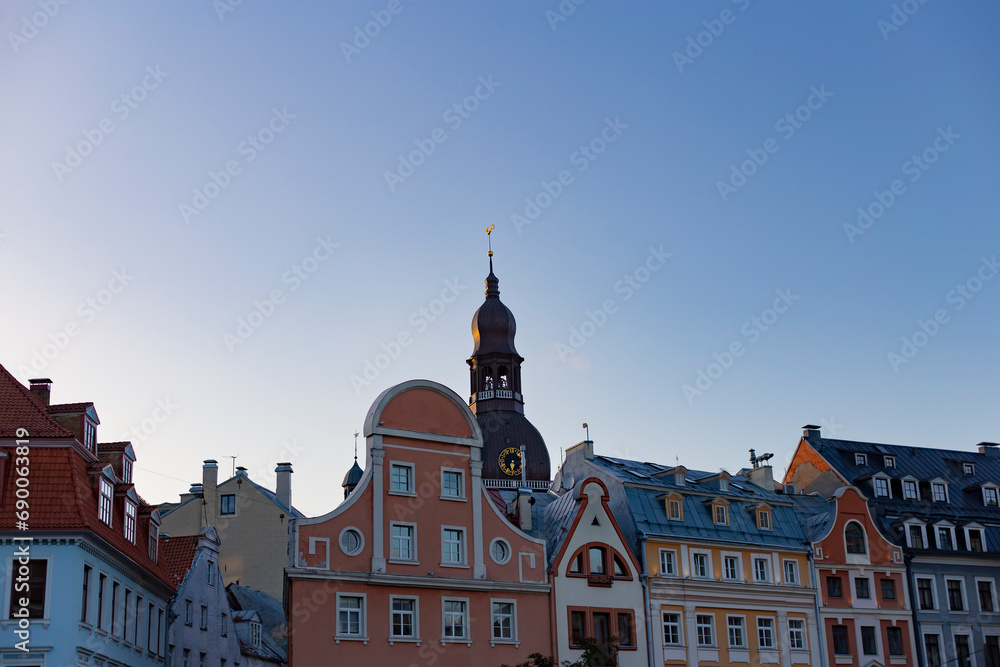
(351,541)
(500,551)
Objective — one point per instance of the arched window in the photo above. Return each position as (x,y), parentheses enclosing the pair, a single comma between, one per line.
(487,378)
(503,383)
(855,537)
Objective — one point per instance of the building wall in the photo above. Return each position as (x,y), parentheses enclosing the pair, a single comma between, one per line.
(322,570)
(882,560)
(690,597)
(63,638)
(217,641)
(254,548)
(577,592)
(941,621)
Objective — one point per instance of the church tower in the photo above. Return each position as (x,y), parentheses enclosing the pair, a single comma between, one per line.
(497,399)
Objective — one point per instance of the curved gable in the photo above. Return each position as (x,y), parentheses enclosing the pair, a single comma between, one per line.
(422,406)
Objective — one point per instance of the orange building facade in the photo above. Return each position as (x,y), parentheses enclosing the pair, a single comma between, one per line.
(418,565)
(861,576)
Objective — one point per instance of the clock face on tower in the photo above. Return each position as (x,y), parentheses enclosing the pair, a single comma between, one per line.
(510,461)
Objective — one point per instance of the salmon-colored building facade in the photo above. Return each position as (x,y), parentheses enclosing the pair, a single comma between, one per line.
(418,565)
(866,613)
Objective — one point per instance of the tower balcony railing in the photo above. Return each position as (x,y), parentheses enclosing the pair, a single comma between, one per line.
(494,393)
(515,484)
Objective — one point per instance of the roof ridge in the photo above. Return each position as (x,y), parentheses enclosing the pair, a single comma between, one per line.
(29,399)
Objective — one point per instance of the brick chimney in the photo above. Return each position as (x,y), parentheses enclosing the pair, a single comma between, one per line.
(42,388)
(209,483)
(283,486)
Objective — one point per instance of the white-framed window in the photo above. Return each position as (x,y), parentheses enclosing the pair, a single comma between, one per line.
(671,628)
(679,479)
(351,541)
(882,489)
(939,492)
(761,569)
(130,521)
(889,461)
(721,514)
(969,468)
(154,541)
(723,484)
(765,632)
(910,489)
(932,649)
(990,495)
(227,503)
(916,535)
(126,470)
(701,564)
(455,619)
(255,634)
(188,612)
(350,615)
(705,626)
(211,573)
(796,633)
(503,615)
(674,509)
(791,571)
(735,628)
(452,545)
(955,589)
(731,567)
(500,551)
(963,649)
(104,508)
(204,618)
(668,562)
(974,539)
(926,593)
(944,534)
(89,434)
(764,519)
(986,592)
(403,541)
(401,478)
(403,617)
(452,483)
(861,459)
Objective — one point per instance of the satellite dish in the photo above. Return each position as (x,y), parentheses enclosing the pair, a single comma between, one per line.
(568,481)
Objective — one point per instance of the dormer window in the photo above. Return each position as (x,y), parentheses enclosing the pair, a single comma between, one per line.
(675,510)
(723,484)
(969,468)
(945,535)
(255,634)
(763,519)
(910,489)
(990,496)
(939,492)
(882,487)
(679,479)
(889,461)
(130,521)
(154,536)
(89,434)
(721,514)
(126,470)
(104,502)
(974,537)
(915,536)
(861,459)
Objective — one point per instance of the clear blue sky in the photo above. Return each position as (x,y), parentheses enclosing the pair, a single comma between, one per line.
(662,122)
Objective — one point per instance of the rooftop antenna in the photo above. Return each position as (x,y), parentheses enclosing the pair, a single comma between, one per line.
(234,463)
(356,434)
(585,426)
(489,242)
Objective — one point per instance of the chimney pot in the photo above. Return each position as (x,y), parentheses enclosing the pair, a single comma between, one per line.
(42,388)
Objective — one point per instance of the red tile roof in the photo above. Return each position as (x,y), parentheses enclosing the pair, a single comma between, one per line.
(177,554)
(19,408)
(61,408)
(62,480)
